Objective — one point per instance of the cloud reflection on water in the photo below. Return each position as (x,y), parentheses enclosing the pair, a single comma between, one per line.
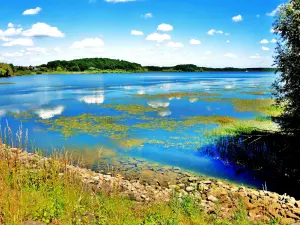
(50,112)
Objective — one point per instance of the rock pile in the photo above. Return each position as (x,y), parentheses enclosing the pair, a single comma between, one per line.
(215,196)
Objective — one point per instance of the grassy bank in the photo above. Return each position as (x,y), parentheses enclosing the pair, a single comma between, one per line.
(44,190)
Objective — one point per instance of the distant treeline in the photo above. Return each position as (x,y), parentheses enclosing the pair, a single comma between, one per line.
(194,68)
(105,65)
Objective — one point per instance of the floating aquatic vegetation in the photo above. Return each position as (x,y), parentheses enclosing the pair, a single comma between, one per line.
(133,109)
(178,95)
(218,120)
(159,123)
(108,126)
(21,115)
(131,143)
(5,83)
(264,106)
(262,92)
(172,124)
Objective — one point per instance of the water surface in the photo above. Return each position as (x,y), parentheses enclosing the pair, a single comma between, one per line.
(50,97)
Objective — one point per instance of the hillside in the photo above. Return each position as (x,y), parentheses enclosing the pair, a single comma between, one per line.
(106,65)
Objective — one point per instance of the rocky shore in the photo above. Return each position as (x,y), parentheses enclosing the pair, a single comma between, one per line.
(215,196)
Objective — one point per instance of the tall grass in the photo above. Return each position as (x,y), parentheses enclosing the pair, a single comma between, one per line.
(43,189)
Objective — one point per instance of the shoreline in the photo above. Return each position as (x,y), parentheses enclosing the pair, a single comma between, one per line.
(130,72)
(211,193)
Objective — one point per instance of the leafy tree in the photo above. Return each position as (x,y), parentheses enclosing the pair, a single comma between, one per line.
(287,60)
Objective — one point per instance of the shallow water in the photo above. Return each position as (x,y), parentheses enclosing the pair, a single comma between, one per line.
(50,97)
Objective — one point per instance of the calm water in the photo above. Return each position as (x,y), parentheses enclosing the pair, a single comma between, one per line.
(49,97)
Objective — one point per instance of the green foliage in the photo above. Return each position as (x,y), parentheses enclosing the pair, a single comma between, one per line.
(6,70)
(93,63)
(287,60)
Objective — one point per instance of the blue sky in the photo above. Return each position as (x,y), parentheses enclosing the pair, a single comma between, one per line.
(214,33)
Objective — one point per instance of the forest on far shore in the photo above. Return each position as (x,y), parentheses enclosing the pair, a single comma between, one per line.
(105,65)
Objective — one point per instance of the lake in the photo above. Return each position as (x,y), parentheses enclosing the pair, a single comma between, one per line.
(128,120)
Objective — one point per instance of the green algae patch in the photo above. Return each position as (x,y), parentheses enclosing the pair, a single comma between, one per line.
(158,123)
(108,126)
(263,92)
(133,109)
(131,143)
(179,95)
(6,83)
(264,106)
(172,124)
(21,115)
(218,120)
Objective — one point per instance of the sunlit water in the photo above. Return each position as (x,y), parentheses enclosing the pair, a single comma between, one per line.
(55,96)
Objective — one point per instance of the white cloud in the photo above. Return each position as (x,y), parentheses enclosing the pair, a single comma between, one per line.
(193,100)
(228,41)
(57,49)
(273,13)
(265,48)
(49,113)
(12,54)
(32,11)
(237,18)
(118,1)
(37,49)
(256,56)
(159,104)
(274,41)
(5,39)
(172,44)
(165,27)
(2,112)
(272,30)
(165,113)
(158,37)
(19,42)
(195,42)
(88,43)
(96,98)
(213,31)
(264,41)
(10,25)
(43,30)
(11,32)
(230,55)
(137,33)
(148,15)
(208,53)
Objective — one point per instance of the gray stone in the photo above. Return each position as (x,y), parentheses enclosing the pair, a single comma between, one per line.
(212,198)
(192,179)
(190,189)
(206,182)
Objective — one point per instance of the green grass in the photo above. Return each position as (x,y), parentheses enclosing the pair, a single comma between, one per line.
(51,194)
